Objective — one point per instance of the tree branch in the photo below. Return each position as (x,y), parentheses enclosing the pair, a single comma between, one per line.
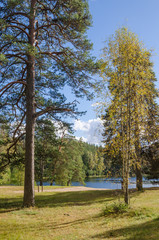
(5,88)
(19,125)
(51,109)
(8,155)
(17,13)
(14,26)
(16,55)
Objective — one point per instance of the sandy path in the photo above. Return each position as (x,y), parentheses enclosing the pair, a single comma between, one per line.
(73,189)
(67,189)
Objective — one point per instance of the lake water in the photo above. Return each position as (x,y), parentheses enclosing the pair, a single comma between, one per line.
(112,183)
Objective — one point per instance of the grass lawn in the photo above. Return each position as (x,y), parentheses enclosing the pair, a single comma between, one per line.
(78,215)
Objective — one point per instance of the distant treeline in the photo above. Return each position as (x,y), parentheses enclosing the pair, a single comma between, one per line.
(65,159)
(57,159)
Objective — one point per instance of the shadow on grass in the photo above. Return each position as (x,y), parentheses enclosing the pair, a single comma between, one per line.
(60,199)
(73,223)
(74,198)
(145,231)
(10,204)
(58,227)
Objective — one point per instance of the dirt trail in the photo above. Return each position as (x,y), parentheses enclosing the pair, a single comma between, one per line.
(73,189)
(65,189)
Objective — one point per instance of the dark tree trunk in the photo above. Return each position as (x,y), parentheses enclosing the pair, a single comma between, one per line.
(30,119)
(41,182)
(29,145)
(126,181)
(128,133)
(68,182)
(139,182)
(138,164)
(138,172)
(126,194)
(41,174)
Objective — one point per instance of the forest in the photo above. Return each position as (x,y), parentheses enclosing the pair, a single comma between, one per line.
(57,159)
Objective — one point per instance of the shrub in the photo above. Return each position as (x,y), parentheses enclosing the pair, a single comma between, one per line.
(115,208)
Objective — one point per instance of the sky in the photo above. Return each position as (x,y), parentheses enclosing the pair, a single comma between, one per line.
(140,17)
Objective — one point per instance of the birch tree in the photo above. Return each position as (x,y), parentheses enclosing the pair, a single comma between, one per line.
(128,74)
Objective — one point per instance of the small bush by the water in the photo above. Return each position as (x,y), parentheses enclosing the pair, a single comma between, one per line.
(115,208)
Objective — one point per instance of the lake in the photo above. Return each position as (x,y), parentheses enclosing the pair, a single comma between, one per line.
(111,183)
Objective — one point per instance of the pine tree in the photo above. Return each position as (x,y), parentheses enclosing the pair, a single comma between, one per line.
(43,47)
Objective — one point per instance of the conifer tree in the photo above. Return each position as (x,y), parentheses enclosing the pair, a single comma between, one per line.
(43,47)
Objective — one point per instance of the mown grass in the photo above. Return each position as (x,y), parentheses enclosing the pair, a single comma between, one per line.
(79,215)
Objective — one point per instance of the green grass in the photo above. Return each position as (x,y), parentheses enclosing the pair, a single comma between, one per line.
(79,215)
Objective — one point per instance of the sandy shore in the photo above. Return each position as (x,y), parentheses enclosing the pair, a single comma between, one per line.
(72,189)
(62,189)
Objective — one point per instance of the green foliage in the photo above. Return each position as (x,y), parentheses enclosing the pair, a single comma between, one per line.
(64,159)
(13,175)
(17,175)
(5,177)
(113,164)
(61,51)
(115,208)
(93,160)
(44,47)
(69,166)
(150,157)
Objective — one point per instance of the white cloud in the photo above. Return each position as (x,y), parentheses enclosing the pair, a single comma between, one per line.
(98,104)
(60,130)
(81,125)
(82,138)
(91,130)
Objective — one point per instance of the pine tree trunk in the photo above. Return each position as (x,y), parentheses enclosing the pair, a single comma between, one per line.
(41,182)
(41,174)
(29,142)
(30,119)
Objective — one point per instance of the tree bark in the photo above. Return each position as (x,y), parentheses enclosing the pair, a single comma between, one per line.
(138,172)
(30,117)
(128,134)
(139,182)
(41,174)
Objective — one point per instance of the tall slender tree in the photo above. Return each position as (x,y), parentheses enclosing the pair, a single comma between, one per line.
(43,47)
(127,71)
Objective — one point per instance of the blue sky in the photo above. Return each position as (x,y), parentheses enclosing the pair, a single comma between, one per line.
(142,18)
